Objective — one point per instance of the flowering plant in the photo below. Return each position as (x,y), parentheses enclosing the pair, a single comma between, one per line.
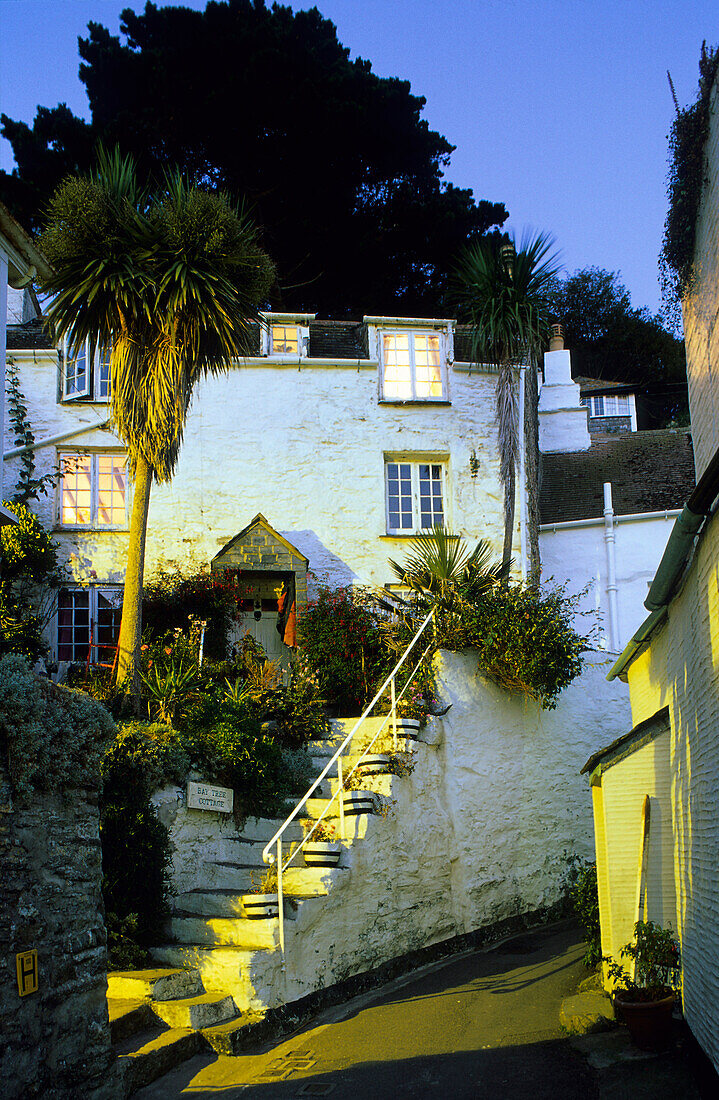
(655,952)
(320,831)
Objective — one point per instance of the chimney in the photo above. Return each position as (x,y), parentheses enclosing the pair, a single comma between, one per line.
(556,341)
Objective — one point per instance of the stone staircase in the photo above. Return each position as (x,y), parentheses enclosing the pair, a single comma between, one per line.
(220,973)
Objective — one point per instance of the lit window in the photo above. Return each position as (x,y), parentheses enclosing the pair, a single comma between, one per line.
(607,406)
(415,495)
(88,624)
(412,367)
(86,375)
(93,491)
(285,340)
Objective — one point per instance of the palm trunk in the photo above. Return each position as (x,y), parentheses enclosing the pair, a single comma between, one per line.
(509,497)
(131,624)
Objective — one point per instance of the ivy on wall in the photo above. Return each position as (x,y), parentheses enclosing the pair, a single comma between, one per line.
(687,141)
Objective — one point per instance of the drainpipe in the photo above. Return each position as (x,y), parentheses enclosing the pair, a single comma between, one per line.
(610,548)
(522,475)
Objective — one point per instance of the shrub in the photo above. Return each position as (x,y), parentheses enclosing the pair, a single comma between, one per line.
(53,738)
(341,638)
(523,636)
(228,745)
(585,903)
(171,600)
(297,709)
(136,856)
(143,758)
(28,560)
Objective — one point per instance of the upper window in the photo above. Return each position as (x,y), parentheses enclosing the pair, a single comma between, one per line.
(412,366)
(88,624)
(93,491)
(414,496)
(607,406)
(286,338)
(86,375)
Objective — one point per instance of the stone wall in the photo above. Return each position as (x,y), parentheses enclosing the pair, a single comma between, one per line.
(55,1043)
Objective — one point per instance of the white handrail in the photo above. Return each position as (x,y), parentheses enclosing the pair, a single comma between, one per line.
(339,793)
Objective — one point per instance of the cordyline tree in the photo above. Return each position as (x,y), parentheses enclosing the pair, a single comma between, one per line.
(501,290)
(172,282)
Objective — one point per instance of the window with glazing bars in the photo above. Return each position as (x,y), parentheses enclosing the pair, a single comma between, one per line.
(412,367)
(414,496)
(93,491)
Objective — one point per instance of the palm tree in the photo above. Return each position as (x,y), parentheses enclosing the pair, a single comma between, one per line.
(502,291)
(172,282)
(441,569)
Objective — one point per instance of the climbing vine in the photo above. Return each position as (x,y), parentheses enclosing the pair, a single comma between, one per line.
(29,486)
(685,180)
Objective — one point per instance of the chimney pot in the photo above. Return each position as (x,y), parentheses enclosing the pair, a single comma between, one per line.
(556,341)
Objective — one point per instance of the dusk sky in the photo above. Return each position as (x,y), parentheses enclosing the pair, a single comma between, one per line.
(558,108)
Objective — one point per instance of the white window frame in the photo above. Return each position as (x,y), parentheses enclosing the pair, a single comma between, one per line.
(606,405)
(412,334)
(113,594)
(65,461)
(281,320)
(415,463)
(95,388)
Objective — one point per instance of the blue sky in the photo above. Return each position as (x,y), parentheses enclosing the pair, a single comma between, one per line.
(558,108)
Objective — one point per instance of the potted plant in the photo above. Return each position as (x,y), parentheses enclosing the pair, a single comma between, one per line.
(322,849)
(263,902)
(374,763)
(355,800)
(645,1000)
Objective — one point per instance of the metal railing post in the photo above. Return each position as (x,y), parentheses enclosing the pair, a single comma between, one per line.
(280,899)
(394,713)
(341,797)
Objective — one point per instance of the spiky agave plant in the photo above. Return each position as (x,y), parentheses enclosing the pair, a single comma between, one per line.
(171,281)
(502,291)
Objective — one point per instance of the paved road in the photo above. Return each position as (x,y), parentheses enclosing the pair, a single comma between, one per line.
(483,1024)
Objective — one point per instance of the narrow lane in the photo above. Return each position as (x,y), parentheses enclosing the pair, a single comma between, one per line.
(483,1024)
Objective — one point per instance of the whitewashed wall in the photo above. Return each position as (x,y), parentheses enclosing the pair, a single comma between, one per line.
(304,447)
(576,556)
(481,831)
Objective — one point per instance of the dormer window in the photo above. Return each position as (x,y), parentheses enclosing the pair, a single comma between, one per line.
(85,375)
(285,335)
(285,340)
(411,366)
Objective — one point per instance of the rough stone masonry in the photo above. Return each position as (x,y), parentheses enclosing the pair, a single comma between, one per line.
(55,1042)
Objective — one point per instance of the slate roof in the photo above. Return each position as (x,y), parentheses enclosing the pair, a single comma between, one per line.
(33,334)
(649,471)
(603,385)
(337,340)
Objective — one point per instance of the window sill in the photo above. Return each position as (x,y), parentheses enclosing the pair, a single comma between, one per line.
(413,401)
(62,528)
(405,535)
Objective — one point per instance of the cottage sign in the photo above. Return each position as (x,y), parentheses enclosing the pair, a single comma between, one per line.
(205,796)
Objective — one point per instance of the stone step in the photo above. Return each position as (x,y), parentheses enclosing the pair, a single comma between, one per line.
(261,829)
(154,985)
(380,784)
(234,1037)
(251,935)
(129,1016)
(250,977)
(154,1053)
(207,1010)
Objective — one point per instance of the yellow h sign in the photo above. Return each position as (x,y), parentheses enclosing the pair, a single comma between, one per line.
(26,972)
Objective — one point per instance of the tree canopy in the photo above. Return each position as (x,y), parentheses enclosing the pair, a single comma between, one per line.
(338,165)
(609,339)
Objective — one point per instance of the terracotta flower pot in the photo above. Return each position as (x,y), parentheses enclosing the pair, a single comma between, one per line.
(649,1022)
(261,906)
(322,853)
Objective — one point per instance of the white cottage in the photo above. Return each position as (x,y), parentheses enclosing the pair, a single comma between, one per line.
(346,437)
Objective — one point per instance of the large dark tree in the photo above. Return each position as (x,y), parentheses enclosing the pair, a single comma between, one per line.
(609,339)
(338,165)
